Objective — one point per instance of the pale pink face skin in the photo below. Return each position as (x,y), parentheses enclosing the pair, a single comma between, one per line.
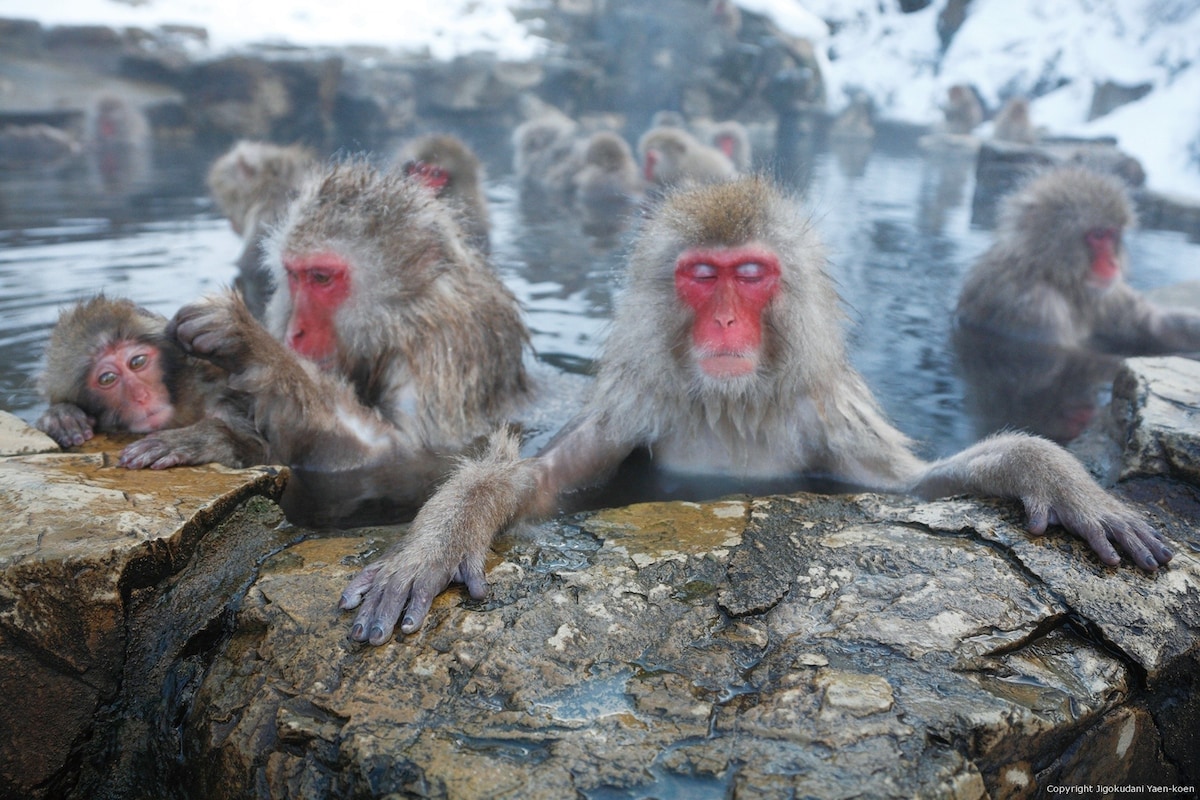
(127,378)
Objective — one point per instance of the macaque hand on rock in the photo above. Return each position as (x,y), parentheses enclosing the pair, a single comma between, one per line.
(405,581)
(67,424)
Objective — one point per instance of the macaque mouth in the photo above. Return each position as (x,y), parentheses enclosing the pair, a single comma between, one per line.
(153,421)
(727,364)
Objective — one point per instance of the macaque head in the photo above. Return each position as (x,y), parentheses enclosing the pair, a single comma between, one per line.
(662,151)
(128,389)
(431,175)
(1070,222)
(355,245)
(110,358)
(749,301)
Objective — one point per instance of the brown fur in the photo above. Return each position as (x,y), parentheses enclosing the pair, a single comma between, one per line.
(209,424)
(802,411)
(963,111)
(1032,282)
(682,160)
(252,184)
(1013,123)
(430,343)
(464,189)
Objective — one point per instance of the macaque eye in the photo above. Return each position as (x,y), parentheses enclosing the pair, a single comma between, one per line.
(438,173)
(1098,235)
(139,361)
(320,278)
(107,379)
(750,272)
(703,272)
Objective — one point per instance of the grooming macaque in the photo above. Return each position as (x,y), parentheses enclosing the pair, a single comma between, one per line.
(963,111)
(726,359)
(672,157)
(609,185)
(451,169)
(1013,123)
(389,347)
(1055,272)
(252,184)
(111,368)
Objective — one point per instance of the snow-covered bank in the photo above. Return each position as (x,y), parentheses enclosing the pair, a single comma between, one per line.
(1057,51)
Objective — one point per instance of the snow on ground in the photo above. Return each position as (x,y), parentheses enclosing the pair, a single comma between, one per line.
(1057,50)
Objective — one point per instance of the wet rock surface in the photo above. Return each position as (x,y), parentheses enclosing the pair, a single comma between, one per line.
(174,638)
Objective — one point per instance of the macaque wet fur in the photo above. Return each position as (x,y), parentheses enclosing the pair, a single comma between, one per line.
(725,358)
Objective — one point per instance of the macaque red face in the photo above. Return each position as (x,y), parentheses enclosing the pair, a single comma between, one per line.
(1103,244)
(651,164)
(318,284)
(127,379)
(728,289)
(431,175)
(726,144)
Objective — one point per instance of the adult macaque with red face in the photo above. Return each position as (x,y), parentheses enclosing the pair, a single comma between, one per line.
(391,346)
(726,359)
(1055,272)
(449,167)
(110,368)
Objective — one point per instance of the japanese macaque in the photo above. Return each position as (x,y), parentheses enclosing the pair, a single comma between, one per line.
(118,143)
(252,184)
(390,346)
(546,153)
(726,359)
(731,138)
(609,185)
(451,169)
(111,368)
(963,111)
(1055,272)
(1013,123)
(672,157)
(856,120)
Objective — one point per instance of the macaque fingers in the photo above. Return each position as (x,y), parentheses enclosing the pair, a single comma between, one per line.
(358,586)
(66,424)
(1103,528)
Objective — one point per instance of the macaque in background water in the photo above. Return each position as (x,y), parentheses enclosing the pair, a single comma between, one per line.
(111,368)
(547,154)
(118,140)
(252,184)
(609,186)
(963,110)
(672,157)
(1013,124)
(448,166)
(726,358)
(391,346)
(1055,272)
(731,138)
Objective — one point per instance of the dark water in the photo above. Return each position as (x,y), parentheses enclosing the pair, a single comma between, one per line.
(897,228)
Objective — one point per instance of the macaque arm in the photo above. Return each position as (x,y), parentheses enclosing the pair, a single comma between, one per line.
(450,537)
(207,441)
(1054,489)
(67,424)
(1131,323)
(299,409)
